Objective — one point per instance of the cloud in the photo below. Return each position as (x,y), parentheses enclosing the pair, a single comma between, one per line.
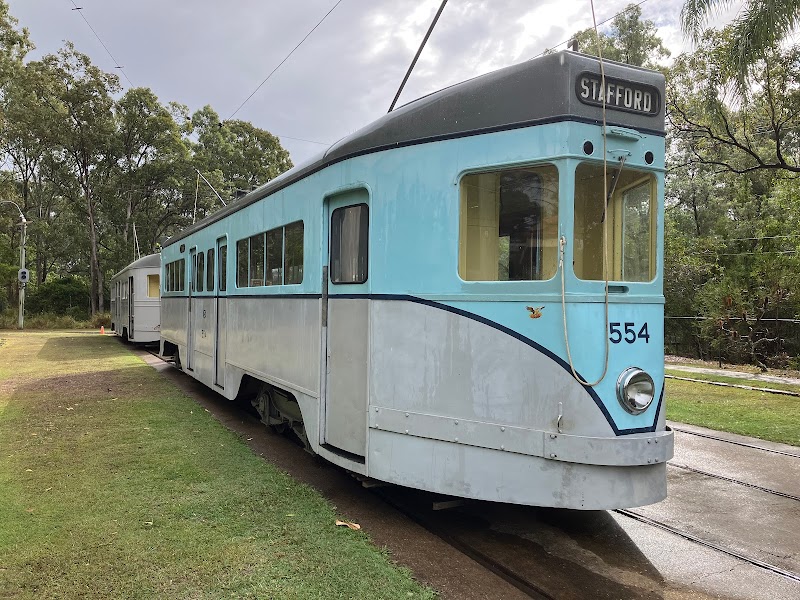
(344,76)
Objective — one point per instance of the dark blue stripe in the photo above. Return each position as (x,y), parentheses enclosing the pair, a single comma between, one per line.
(488,322)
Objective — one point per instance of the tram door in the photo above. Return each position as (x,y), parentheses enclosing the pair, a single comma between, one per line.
(345,318)
(190,327)
(221,311)
(131,304)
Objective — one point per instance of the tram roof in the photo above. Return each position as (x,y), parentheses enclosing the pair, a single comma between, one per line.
(145,262)
(542,90)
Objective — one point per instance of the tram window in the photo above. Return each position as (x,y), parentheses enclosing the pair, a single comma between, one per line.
(181,274)
(349,244)
(275,256)
(223,268)
(242,253)
(210,271)
(631,224)
(257,260)
(509,225)
(201,259)
(293,253)
(152,286)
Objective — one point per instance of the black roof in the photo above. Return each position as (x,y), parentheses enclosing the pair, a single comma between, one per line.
(537,91)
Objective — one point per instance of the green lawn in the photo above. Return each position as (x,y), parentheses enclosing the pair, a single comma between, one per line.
(733,380)
(763,415)
(113,484)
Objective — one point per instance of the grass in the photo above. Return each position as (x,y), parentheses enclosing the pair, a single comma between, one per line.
(733,380)
(113,484)
(763,415)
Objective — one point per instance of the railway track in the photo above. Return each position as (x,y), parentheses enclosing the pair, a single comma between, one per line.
(520,582)
(733,480)
(736,443)
(709,544)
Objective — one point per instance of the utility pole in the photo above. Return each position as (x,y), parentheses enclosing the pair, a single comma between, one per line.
(23,275)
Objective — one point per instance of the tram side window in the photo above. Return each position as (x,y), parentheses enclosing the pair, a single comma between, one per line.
(257,260)
(350,244)
(175,276)
(293,253)
(275,256)
(271,258)
(631,224)
(152,286)
(210,271)
(223,268)
(508,228)
(242,253)
(201,260)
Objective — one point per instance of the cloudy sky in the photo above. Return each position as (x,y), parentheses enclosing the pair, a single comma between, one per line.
(345,75)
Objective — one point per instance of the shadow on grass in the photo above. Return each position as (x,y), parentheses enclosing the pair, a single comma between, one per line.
(80,346)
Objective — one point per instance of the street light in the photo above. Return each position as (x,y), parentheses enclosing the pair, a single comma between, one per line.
(23,273)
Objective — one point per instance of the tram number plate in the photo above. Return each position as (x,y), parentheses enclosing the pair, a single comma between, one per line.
(627,332)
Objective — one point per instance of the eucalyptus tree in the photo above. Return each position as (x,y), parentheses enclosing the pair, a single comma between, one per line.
(81,97)
(630,40)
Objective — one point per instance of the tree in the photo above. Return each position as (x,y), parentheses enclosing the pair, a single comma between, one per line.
(630,40)
(760,26)
(81,94)
(730,132)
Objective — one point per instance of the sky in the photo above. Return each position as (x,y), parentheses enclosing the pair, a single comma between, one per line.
(199,52)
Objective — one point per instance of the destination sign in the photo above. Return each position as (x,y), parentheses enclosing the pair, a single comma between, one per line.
(619,94)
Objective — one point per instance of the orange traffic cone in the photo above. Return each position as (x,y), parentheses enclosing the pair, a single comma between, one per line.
(102,330)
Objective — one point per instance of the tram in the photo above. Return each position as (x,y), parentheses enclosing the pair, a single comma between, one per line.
(135,301)
(465,296)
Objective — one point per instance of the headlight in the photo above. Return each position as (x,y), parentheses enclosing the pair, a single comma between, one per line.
(635,390)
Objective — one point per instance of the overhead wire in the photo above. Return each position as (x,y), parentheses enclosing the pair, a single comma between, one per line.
(562,242)
(79,9)
(300,43)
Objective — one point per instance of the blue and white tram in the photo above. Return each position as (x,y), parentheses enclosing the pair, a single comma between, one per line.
(135,310)
(402,300)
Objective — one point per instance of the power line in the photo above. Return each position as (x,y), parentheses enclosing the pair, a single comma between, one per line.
(284,60)
(114,60)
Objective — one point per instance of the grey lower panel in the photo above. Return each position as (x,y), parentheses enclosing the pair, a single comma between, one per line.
(431,361)
(347,372)
(632,450)
(485,474)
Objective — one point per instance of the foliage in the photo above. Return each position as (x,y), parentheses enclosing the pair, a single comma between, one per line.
(760,26)
(630,40)
(733,206)
(100,173)
(63,296)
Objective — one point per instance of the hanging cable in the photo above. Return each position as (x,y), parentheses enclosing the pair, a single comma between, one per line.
(416,57)
(562,242)
(300,43)
(79,9)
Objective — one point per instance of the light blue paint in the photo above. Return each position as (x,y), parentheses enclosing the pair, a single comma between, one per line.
(414,227)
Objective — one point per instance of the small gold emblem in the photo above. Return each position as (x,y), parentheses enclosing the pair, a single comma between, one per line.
(535,312)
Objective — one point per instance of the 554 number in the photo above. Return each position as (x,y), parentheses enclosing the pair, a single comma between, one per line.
(627,332)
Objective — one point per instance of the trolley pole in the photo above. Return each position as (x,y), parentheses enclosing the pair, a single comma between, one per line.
(23,273)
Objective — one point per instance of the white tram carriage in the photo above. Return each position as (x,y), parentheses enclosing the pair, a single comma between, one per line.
(401,301)
(135,301)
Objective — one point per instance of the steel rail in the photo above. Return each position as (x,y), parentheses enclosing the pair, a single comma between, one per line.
(736,481)
(708,544)
(744,444)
